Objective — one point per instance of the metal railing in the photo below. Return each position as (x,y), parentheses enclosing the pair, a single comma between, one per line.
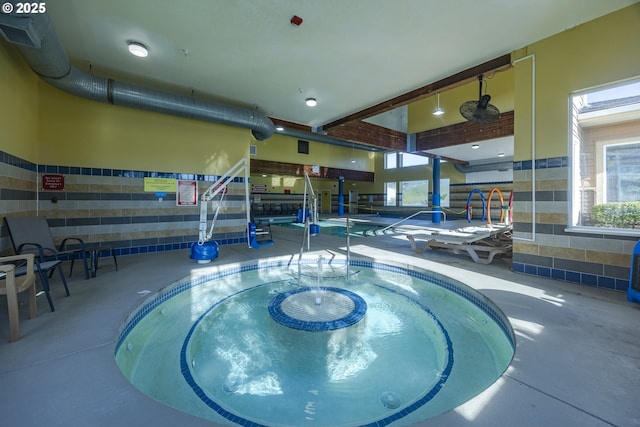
(444,217)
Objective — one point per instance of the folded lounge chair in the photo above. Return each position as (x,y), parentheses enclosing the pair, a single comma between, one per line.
(490,240)
(31,234)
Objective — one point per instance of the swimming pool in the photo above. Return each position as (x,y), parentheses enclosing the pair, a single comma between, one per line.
(339,228)
(208,345)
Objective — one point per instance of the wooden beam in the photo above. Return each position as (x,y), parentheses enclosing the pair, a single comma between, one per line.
(461,78)
(464,133)
(371,134)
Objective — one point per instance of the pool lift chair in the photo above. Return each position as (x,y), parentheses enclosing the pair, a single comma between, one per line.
(205,249)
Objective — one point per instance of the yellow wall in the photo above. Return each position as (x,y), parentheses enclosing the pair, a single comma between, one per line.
(42,124)
(277,184)
(18,105)
(79,132)
(281,148)
(498,85)
(598,52)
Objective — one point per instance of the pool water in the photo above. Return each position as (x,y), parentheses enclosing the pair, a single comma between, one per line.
(208,346)
(339,228)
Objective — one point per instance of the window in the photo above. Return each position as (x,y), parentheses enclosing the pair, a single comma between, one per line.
(605,157)
(390,190)
(415,193)
(394,159)
(408,160)
(622,172)
(391,160)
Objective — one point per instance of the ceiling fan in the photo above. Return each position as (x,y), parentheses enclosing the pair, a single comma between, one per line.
(480,111)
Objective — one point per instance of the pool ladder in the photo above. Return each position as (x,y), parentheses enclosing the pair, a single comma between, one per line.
(305,236)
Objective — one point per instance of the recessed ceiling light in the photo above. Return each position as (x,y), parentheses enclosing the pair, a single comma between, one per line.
(279,128)
(475,146)
(138,49)
(311,102)
(500,154)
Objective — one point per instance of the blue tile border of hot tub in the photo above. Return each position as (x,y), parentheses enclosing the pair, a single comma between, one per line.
(482,302)
(353,317)
(202,395)
(460,289)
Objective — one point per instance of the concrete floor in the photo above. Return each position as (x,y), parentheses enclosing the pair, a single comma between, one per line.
(577,361)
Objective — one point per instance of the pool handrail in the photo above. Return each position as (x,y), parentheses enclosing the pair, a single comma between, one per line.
(444,217)
(308,191)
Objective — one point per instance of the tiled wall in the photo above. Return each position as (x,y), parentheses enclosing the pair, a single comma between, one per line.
(591,259)
(110,207)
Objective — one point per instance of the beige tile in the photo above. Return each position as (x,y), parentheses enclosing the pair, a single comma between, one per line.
(609,258)
(555,184)
(552,218)
(565,253)
(525,248)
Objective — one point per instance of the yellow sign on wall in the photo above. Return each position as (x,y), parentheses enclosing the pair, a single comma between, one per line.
(167,185)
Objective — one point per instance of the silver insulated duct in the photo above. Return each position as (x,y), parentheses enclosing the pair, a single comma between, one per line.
(39,44)
(318,137)
(504,165)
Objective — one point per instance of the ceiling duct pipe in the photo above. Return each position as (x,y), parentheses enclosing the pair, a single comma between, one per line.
(318,137)
(40,46)
(484,167)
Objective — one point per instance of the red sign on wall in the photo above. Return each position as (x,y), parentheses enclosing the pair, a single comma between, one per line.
(52,182)
(187,193)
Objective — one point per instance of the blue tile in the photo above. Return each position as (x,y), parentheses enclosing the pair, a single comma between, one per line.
(544,272)
(572,276)
(622,284)
(531,269)
(554,162)
(541,163)
(589,279)
(606,282)
(558,274)
(518,267)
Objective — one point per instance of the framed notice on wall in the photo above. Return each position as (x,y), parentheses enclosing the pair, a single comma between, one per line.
(187,193)
(52,182)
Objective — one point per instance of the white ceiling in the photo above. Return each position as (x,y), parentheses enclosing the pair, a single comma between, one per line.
(486,151)
(349,55)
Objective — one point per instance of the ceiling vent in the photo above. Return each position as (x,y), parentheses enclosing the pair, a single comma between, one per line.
(20,31)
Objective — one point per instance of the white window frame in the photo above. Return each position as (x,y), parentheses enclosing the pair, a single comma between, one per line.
(408,160)
(390,200)
(424,183)
(388,163)
(576,161)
